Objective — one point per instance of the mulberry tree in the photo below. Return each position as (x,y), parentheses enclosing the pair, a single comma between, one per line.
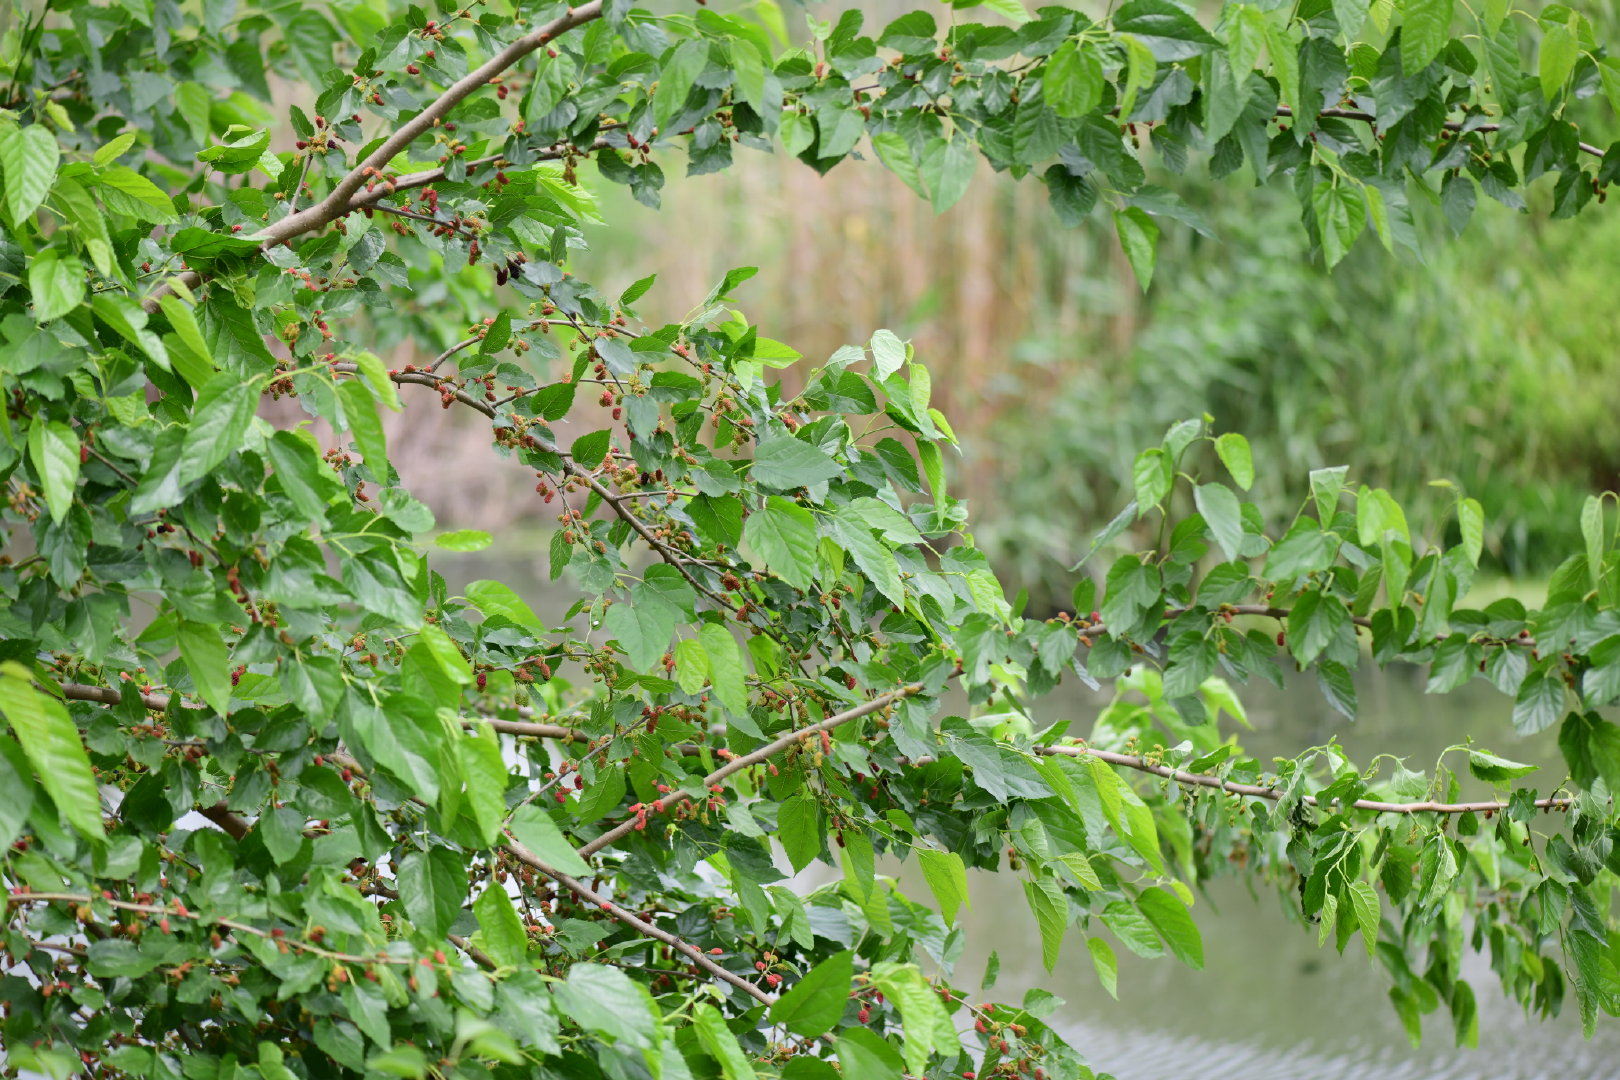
(279,802)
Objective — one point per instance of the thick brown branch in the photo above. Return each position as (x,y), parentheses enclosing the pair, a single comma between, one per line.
(638,924)
(226,819)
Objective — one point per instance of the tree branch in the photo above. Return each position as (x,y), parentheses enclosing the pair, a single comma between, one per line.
(222,815)
(638,924)
(770,749)
(1449,125)
(1130,761)
(106,695)
(177,910)
(338,201)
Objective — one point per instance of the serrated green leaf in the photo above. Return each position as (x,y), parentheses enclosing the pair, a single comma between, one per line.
(1139,236)
(1233,450)
(495,598)
(812,1006)
(29,156)
(51,742)
(947,879)
(208,660)
(535,830)
(784,535)
(53,448)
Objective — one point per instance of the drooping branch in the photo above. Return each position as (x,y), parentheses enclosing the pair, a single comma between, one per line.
(177,910)
(1132,761)
(1449,125)
(106,695)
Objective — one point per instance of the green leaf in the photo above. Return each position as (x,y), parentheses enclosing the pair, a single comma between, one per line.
(1073,81)
(947,879)
(126,191)
(1559,51)
(1233,450)
(748,74)
(208,660)
(54,450)
(1471,524)
(1139,236)
(1011,10)
(784,535)
(1283,49)
(895,153)
(57,283)
(591,450)
(1326,484)
(1051,910)
(947,169)
(637,290)
(500,931)
(184,321)
(51,742)
(1609,75)
(726,671)
(17,781)
(799,829)
(360,412)
(29,156)
(1540,701)
(403,1061)
(1154,475)
(433,885)
(1307,549)
(535,830)
(464,540)
(675,81)
(871,555)
(494,598)
(605,1000)
(691,665)
(926,1025)
(864,1055)
(888,353)
(1425,29)
(1165,27)
(1316,622)
(1340,216)
(1140,67)
(721,1043)
(1106,965)
(1223,515)
(814,1004)
(783,461)
(1169,917)
(1369,913)
(219,421)
(1496,770)
(1592,533)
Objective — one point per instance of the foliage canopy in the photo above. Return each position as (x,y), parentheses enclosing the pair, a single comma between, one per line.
(446,833)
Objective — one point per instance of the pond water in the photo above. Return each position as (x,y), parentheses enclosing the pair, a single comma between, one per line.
(1268,1002)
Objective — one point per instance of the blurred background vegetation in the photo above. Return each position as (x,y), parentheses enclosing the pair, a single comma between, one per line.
(1491,363)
